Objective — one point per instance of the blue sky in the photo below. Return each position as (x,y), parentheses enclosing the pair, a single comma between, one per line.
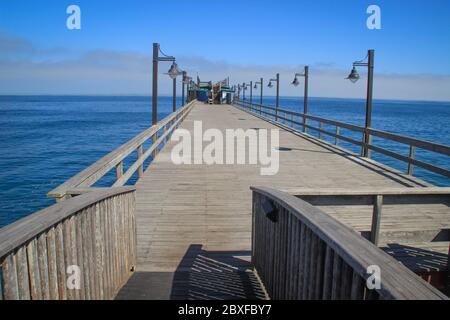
(225,35)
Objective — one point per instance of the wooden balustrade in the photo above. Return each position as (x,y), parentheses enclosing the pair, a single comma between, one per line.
(299,252)
(91,236)
(96,171)
(375,197)
(268,113)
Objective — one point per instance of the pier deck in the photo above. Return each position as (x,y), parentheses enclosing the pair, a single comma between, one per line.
(194,221)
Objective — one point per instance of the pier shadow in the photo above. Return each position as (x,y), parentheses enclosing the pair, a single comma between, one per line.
(418,260)
(217,275)
(200,275)
(432,266)
(380,169)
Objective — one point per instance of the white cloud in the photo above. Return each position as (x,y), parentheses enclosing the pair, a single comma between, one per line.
(114,72)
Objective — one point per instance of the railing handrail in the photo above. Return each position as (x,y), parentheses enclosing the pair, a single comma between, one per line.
(97,170)
(397,281)
(368,191)
(406,140)
(20,232)
(423,144)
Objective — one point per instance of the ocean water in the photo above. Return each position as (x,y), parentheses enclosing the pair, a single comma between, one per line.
(44,140)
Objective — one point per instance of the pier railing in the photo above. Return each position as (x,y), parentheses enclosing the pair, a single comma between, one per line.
(85,246)
(82,248)
(301,252)
(291,118)
(158,135)
(376,198)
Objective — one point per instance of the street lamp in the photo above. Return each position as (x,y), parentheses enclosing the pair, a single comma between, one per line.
(244,87)
(173,73)
(354,77)
(305,95)
(261,83)
(184,81)
(270,85)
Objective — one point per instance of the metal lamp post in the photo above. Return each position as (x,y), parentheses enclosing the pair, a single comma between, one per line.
(185,80)
(251,94)
(261,83)
(305,95)
(270,85)
(354,77)
(173,73)
(244,87)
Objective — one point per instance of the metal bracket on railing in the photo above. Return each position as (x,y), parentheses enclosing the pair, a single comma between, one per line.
(270,211)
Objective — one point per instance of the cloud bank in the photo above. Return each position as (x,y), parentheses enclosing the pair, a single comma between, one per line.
(28,69)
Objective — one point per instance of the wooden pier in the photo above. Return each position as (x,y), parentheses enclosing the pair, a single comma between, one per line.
(227,232)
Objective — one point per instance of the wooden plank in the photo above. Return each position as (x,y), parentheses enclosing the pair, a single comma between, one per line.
(43,265)
(336,278)
(33,269)
(10,281)
(60,261)
(328,274)
(357,287)
(80,255)
(52,265)
(68,258)
(23,279)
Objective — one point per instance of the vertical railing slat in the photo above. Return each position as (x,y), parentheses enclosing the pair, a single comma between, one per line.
(43,266)
(33,268)
(23,278)
(60,261)
(68,260)
(328,274)
(336,277)
(52,265)
(85,254)
(10,281)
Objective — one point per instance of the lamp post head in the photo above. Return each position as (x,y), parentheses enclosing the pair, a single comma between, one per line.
(353,76)
(295,82)
(255,86)
(174,71)
(270,85)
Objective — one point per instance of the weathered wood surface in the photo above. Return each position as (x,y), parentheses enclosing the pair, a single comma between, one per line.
(89,234)
(352,255)
(179,206)
(96,171)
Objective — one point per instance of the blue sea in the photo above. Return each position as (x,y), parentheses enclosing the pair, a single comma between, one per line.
(44,140)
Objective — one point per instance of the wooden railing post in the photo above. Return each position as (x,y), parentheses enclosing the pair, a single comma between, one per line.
(141,167)
(376,219)
(119,170)
(320,132)
(412,151)
(338,129)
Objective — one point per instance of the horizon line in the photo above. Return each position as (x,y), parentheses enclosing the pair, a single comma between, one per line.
(170,96)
